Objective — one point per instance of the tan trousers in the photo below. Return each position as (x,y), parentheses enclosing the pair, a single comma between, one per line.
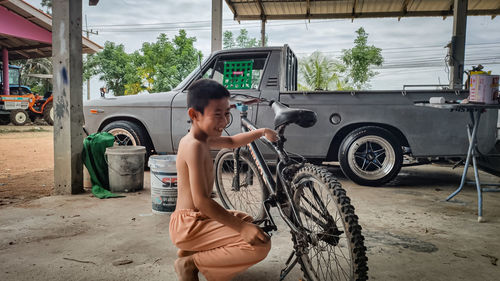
(221,252)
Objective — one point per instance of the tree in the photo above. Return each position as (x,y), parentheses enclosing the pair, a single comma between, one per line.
(319,72)
(113,66)
(36,66)
(359,60)
(164,64)
(242,41)
(48,6)
(157,67)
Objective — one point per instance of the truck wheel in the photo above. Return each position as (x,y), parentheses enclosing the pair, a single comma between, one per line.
(48,113)
(19,117)
(370,156)
(129,133)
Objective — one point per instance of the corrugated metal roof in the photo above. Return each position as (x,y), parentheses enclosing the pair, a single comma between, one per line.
(324,9)
(20,48)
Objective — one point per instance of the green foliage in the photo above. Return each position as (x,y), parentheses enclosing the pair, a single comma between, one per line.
(113,66)
(157,67)
(359,60)
(319,72)
(36,66)
(48,6)
(242,41)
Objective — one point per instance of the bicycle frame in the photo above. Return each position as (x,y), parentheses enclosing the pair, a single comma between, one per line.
(277,188)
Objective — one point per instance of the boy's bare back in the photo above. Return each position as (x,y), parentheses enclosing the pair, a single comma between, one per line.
(187,148)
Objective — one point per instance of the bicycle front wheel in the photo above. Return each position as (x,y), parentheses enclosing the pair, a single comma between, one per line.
(331,245)
(248,194)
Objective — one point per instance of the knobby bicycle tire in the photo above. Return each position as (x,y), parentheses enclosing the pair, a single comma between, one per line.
(239,200)
(343,230)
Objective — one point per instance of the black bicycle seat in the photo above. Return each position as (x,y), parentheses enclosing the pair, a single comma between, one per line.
(285,115)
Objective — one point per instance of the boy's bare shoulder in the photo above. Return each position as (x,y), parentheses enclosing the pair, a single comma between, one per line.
(190,147)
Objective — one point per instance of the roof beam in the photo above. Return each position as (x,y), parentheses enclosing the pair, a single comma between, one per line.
(231,7)
(39,52)
(32,47)
(308,11)
(404,8)
(369,15)
(261,8)
(23,54)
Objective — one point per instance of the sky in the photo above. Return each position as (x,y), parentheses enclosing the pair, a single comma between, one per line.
(413,48)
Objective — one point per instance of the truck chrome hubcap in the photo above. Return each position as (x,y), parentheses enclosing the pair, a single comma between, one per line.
(371,157)
(123,137)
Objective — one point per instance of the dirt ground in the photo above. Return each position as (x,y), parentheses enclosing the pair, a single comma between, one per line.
(410,231)
(26,163)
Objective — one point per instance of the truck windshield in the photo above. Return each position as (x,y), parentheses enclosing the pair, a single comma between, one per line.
(187,79)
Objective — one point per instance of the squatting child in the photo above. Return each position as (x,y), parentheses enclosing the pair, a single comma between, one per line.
(216,242)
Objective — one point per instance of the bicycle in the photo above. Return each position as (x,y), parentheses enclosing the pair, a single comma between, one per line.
(327,238)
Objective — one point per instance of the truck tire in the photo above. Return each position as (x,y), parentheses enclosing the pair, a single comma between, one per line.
(19,117)
(129,133)
(48,113)
(4,119)
(370,156)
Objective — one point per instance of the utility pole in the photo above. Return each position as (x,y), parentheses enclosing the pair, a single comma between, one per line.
(88,36)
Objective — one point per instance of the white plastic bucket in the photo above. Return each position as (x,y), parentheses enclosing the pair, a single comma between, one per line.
(125,168)
(163,183)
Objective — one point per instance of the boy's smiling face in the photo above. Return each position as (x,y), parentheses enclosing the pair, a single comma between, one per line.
(215,117)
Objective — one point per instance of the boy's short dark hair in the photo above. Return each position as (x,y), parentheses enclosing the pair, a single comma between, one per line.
(202,91)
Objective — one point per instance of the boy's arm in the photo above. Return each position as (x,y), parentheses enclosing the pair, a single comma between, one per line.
(202,201)
(242,139)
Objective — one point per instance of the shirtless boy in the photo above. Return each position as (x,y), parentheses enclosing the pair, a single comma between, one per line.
(218,243)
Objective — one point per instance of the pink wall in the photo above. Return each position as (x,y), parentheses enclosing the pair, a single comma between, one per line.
(14,25)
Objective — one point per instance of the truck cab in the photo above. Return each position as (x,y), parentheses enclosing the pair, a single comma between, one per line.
(15,86)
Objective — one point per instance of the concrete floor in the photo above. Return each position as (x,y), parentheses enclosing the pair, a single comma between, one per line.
(411,234)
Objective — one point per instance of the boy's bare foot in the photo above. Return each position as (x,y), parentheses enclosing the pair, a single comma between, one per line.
(184,253)
(186,269)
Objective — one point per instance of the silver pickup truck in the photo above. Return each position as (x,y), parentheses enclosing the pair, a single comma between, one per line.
(370,133)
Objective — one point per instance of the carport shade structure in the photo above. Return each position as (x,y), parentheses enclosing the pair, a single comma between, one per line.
(265,10)
(26,32)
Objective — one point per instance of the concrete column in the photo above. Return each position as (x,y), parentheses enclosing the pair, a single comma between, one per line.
(458,43)
(216,25)
(5,75)
(263,32)
(68,95)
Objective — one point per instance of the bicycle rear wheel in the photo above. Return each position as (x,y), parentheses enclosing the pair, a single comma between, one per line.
(249,194)
(332,246)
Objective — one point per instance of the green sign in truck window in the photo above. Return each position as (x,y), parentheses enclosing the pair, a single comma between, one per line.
(238,74)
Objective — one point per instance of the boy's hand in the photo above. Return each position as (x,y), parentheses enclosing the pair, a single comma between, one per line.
(271,135)
(252,234)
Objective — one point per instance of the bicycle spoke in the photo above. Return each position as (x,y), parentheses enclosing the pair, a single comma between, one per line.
(315,219)
(310,204)
(325,214)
